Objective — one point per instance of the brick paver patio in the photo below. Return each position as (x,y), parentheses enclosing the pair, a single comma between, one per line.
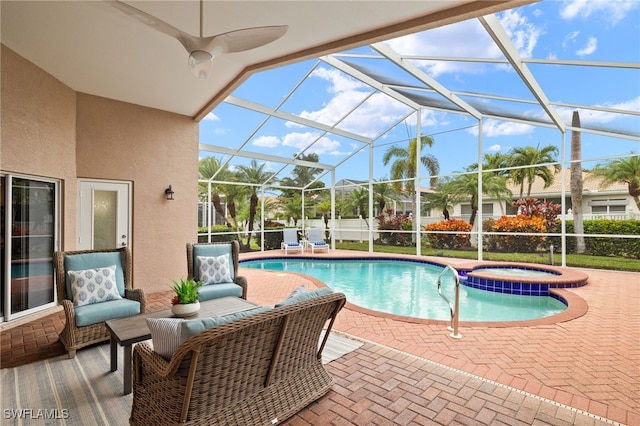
(584,371)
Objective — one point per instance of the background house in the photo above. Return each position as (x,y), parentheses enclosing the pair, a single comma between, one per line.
(610,202)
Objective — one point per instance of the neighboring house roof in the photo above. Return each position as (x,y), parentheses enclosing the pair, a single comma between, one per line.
(590,185)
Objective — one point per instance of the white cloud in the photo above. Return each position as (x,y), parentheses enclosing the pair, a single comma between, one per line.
(211,117)
(631,105)
(453,41)
(368,119)
(339,82)
(591,47)
(267,141)
(374,116)
(450,40)
(493,128)
(593,117)
(612,10)
(494,148)
(301,141)
(522,33)
(336,108)
(569,38)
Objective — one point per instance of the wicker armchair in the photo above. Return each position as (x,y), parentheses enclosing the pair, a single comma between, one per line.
(74,337)
(257,370)
(215,249)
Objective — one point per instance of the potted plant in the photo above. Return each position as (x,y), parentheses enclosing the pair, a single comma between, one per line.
(186,298)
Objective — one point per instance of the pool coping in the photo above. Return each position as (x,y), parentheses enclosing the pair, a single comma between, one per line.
(576,306)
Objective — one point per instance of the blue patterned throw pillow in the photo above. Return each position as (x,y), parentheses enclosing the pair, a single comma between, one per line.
(94,285)
(214,270)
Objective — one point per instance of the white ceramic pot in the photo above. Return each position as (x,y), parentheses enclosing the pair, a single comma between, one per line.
(185,310)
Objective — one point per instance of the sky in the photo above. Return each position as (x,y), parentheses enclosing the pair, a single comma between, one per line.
(569,30)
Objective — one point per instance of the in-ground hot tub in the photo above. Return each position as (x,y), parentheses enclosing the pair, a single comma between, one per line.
(523,279)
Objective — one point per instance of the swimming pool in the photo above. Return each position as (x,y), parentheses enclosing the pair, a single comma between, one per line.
(409,288)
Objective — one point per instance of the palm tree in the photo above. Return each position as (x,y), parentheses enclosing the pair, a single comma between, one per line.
(302,176)
(442,199)
(208,168)
(404,166)
(359,200)
(234,192)
(293,208)
(497,162)
(254,173)
(383,192)
(622,170)
(466,186)
(324,208)
(576,183)
(532,158)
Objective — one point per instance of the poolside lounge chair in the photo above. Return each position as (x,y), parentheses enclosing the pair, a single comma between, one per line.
(290,241)
(316,240)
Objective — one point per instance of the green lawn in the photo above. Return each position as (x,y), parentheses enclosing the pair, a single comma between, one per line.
(577,260)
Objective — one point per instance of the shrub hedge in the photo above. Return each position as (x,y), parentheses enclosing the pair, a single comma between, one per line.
(272,240)
(223,234)
(605,246)
(458,235)
(516,243)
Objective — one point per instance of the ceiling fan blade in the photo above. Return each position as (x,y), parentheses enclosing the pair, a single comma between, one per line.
(188,41)
(246,39)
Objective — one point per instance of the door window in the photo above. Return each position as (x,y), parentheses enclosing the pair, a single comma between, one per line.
(29,238)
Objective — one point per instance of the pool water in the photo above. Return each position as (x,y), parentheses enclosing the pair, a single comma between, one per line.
(409,289)
(516,272)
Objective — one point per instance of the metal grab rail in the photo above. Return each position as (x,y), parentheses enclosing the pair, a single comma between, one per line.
(455,311)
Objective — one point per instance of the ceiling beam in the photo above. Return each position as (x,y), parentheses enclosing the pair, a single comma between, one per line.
(409,67)
(263,157)
(347,69)
(243,103)
(500,37)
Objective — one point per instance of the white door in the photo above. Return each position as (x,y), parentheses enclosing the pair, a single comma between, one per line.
(104,214)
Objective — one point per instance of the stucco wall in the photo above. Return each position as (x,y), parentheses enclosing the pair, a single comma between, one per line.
(38,124)
(153,149)
(49,130)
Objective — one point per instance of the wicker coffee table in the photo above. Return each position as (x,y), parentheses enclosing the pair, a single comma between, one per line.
(127,331)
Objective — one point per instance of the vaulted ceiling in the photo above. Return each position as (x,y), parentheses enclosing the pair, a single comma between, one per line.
(95,48)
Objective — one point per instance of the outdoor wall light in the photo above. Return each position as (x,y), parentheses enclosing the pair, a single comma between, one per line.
(169,193)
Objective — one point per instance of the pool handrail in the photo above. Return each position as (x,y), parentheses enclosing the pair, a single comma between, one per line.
(455,311)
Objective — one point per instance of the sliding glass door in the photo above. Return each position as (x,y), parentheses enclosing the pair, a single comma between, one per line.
(29,235)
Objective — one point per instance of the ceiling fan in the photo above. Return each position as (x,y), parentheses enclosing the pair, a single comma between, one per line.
(202,49)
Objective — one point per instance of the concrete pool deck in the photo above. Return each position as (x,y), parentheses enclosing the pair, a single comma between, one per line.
(590,362)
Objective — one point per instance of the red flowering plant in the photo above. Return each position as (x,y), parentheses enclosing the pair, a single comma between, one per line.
(534,217)
(388,221)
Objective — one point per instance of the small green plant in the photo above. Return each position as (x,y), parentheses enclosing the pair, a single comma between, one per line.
(186,291)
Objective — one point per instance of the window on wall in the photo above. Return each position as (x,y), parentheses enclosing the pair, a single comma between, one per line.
(29,237)
(487,209)
(609,207)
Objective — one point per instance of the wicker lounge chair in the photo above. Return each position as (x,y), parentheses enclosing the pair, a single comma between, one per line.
(237,286)
(257,370)
(84,325)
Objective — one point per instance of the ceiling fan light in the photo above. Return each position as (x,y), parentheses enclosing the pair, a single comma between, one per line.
(201,64)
